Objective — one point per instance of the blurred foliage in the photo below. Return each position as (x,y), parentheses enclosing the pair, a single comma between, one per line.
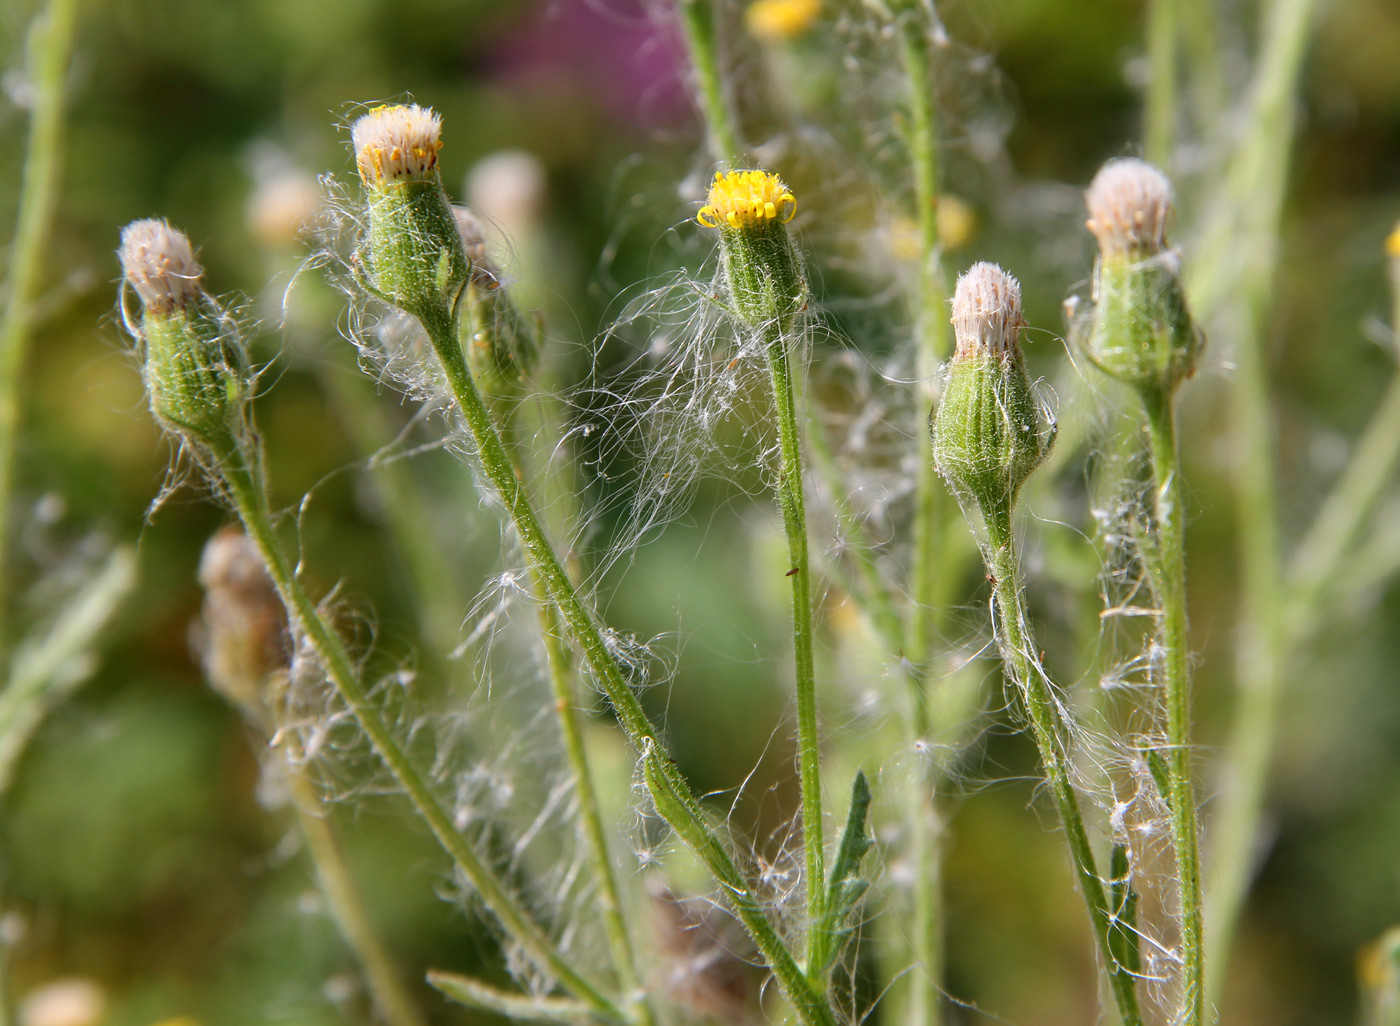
(133,846)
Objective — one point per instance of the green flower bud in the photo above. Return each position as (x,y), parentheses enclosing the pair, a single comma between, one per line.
(1142,331)
(192,367)
(752,209)
(987,432)
(502,348)
(413,252)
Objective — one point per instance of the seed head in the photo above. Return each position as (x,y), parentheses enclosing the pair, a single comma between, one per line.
(159,263)
(1130,203)
(987,313)
(747,199)
(396,141)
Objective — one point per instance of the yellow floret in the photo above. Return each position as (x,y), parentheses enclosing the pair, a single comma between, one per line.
(781,19)
(1392,244)
(746,199)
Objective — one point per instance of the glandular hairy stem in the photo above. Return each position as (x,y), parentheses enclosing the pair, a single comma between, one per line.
(241,473)
(1049,733)
(669,790)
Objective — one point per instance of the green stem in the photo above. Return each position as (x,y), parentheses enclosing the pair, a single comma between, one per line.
(698,21)
(1240,253)
(1160,128)
(1168,566)
(1048,730)
(1347,507)
(930,570)
(245,483)
(793,506)
(566,703)
(52,43)
(346,905)
(668,787)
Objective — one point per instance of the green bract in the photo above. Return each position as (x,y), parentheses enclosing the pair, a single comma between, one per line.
(1142,332)
(412,251)
(192,367)
(751,210)
(987,432)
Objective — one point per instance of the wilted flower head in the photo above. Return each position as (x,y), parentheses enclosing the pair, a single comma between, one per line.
(159,263)
(244,620)
(987,312)
(1130,203)
(396,141)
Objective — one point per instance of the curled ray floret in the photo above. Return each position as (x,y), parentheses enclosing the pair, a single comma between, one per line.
(987,312)
(159,262)
(746,199)
(1130,203)
(396,141)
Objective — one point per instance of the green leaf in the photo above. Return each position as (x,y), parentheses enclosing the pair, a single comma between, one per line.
(846,887)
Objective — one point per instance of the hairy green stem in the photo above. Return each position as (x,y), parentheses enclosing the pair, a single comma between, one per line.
(1159,130)
(566,703)
(52,43)
(1239,257)
(669,790)
(793,506)
(1048,730)
(244,481)
(346,904)
(1167,562)
(698,22)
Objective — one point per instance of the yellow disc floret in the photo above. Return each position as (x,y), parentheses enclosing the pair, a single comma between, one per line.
(1392,244)
(747,199)
(395,142)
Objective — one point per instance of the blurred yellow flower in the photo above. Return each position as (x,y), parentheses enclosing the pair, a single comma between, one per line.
(781,19)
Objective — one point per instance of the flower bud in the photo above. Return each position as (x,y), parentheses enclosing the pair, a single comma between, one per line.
(243,642)
(1142,332)
(751,210)
(987,432)
(502,348)
(192,368)
(412,250)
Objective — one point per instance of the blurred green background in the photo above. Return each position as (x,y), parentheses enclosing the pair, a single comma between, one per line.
(133,846)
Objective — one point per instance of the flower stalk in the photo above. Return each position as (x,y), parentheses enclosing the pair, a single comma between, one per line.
(767,288)
(193,368)
(987,440)
(1143,335)
(439,313)
(51,42)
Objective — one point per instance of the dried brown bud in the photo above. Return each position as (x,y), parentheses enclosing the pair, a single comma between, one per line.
(159,263)
(987,312)
(245,622)
(1130,203)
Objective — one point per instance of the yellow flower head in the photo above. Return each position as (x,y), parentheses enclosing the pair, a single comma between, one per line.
(781,19)
(396,141)
(1392,244)
(747,199)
